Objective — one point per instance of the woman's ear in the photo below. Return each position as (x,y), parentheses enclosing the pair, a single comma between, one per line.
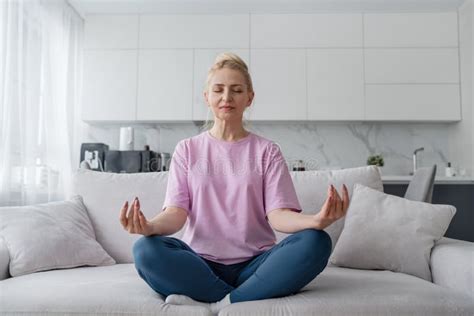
(206,97)
(251,96)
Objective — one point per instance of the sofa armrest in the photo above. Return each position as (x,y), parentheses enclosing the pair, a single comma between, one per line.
(452,265)
(4,260)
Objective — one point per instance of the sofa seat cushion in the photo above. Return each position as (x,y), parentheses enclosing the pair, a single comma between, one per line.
(105,290)
(118,290)
(344,291)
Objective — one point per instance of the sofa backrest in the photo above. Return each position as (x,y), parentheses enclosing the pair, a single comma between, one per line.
(105,193)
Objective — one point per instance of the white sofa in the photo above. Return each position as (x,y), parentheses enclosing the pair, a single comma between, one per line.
(118,290)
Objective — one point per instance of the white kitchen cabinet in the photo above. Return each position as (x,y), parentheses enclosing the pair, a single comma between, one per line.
(436,29)
(351,66)
(279,79)
(412,65)
(417,102)
(306,30)
(194,31)
(203,61)
(335,87)
(165,85)
(111,32)
(110,85)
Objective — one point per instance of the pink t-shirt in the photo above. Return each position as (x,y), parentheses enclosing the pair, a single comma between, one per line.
(227,189)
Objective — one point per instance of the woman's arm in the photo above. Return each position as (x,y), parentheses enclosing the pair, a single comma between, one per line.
(170,221)
(288,221)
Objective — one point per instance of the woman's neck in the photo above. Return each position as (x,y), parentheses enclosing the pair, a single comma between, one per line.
(228,132)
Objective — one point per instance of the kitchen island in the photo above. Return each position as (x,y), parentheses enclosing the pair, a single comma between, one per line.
(456,191)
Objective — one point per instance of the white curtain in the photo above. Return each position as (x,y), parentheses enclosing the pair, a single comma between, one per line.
(40,85)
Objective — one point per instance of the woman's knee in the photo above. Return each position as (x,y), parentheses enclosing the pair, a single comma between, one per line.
(317,241)
(144,247)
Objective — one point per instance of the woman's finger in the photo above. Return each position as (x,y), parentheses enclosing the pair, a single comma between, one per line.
(326,204)
(130,210)
(338,204)
(136,220)
(131,216)
(345,198)
(143,222)
(332,210)
(123,214)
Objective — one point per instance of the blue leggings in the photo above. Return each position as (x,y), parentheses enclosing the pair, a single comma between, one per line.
(170,266)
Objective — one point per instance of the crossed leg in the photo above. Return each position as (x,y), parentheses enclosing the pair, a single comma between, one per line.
(170,266)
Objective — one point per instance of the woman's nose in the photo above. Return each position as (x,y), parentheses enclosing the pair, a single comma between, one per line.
(227,96)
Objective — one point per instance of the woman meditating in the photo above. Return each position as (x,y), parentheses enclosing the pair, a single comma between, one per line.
(233,187)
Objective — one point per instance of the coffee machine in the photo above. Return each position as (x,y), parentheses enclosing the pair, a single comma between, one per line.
(98,157)
(165,161)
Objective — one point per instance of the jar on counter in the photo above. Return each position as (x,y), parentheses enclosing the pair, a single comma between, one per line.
(299,166)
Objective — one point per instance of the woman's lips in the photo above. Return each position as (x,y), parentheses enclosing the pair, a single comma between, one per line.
(227,108)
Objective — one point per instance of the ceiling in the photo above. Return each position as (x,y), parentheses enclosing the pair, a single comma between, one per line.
(86,7)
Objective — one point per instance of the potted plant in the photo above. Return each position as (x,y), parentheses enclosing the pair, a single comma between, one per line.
(376,160)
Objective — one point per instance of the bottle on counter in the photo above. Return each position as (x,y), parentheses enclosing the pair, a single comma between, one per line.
(449,171)
(299,166)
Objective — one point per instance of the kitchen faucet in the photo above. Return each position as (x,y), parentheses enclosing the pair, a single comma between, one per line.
(414,159)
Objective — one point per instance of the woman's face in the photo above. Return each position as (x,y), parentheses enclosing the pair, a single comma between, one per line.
(227,94)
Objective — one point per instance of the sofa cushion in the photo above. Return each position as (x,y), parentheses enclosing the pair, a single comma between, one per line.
(48,236)
(104,194)
(111,290)
(452,265)
(384,231)
(343,291)
(312,186)
(118,289)
(4,260)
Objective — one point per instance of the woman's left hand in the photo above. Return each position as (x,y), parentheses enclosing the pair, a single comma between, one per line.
(334,207)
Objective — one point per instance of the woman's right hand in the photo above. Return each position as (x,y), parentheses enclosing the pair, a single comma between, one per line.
(334,208)
(135,222)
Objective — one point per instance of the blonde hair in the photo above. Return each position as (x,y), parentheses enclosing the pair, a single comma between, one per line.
(231,61)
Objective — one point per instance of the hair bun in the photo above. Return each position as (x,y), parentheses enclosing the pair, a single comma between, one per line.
(230,58)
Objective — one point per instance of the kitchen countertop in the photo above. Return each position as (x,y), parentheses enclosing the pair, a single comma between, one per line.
(397,179)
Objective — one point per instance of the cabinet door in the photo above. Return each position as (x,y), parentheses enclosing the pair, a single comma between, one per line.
(437,29)
(203,60)
(335,84)
(165,85)
(412,65)
(194,31)
(306,30)
(279,79)
(111,32)
(109,87)
(420,102)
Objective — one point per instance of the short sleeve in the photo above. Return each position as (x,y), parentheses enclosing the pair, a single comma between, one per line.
(278,188)
(177,192)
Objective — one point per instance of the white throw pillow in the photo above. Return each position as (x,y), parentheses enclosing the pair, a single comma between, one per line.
(312,186)
(49,236)
(104,194)
(387,232)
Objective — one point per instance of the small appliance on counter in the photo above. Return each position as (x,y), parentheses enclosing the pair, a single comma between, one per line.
(98,157)
(165,161)
(93,155)
(299,166)
(127,140)
(132,161)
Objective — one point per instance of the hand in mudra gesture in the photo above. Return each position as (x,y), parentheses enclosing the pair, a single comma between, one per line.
(135,222)
(334,207)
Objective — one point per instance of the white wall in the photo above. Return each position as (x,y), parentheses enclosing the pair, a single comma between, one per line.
(461,134)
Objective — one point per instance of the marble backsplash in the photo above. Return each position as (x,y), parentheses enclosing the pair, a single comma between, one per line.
(321,145)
